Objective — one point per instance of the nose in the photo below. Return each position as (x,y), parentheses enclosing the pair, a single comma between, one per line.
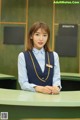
(41,37)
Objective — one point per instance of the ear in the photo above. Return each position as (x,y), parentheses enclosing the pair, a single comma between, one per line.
(31,37)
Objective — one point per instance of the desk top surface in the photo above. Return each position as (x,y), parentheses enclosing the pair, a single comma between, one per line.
(26,98)
(4,76)
(70,76)
(63,74)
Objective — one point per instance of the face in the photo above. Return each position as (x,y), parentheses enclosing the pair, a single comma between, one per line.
(39,38)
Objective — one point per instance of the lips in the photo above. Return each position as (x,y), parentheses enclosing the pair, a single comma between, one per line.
(40,43)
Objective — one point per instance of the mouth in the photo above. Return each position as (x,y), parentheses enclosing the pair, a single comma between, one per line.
(40,43)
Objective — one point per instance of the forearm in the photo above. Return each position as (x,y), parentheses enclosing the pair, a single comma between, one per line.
(27,86)
(39,89)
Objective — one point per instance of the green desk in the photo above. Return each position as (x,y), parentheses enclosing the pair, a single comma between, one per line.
(71,76)
(23,104)
(70,81)
(7,81)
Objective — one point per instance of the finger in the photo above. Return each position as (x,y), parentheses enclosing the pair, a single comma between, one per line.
(47,90)
(55,91)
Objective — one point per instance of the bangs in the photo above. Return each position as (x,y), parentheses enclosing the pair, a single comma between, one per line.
(41,26)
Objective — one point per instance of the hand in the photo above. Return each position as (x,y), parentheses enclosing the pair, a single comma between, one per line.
(55,90)
(44,89)
(51,89)
(48,89)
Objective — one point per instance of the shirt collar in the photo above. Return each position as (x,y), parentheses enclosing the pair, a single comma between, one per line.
(36,51)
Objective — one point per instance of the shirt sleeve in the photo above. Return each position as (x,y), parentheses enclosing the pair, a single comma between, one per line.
(22,74)
(56,75)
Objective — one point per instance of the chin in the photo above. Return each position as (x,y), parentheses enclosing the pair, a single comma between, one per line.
(40,47)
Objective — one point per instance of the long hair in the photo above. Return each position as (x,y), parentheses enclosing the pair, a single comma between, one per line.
(31,32)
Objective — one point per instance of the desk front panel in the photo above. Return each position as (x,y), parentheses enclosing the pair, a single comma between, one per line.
(20,112)
(8,81)
(24,104)
(70,81)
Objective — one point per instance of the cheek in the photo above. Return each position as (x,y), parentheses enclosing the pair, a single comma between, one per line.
(46,38)
(34,41)
(34,38)
(45,41)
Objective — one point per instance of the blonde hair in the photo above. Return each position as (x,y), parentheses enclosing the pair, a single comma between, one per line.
(31,32)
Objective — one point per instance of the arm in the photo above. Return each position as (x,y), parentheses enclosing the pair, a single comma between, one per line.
(22,74)
(23,78)
(56,76)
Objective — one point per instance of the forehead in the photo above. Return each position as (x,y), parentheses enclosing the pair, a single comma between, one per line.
(41,30)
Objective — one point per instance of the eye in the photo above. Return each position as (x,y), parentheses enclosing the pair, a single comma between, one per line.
(37,34)
(45,35)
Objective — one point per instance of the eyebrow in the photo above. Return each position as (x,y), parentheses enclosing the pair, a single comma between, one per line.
(43,33)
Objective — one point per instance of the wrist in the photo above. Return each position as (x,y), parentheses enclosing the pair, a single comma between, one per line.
(39,88)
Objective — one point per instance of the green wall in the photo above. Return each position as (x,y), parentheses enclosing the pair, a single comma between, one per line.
(41,10)
(11,11)
(68,14)
(38,10)
(15,11)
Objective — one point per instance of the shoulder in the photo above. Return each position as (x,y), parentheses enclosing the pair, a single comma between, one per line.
(55,54)
(21,54)
(21,59)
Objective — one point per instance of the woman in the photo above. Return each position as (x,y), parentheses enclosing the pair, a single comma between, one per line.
(38,67)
